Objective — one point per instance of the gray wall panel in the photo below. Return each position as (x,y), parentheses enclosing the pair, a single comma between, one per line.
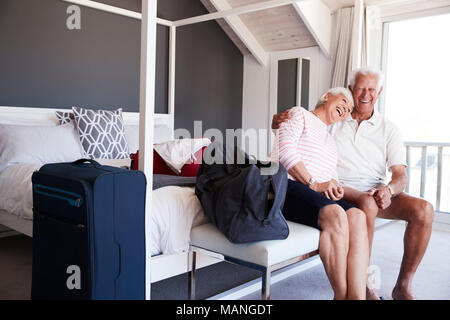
(43,64)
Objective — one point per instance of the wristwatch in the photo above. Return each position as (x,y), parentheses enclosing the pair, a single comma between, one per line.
(391,191)
(311,182)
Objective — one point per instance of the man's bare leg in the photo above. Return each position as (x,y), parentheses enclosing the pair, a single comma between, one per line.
(418,214)
(358,255)
(368,205)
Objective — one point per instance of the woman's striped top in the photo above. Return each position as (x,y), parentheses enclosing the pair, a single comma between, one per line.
(304,137)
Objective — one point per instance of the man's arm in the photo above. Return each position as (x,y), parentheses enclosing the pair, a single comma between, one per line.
(399,179)
(279,118)
(396,186)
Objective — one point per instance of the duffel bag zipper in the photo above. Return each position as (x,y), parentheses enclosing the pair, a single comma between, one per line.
(75,200)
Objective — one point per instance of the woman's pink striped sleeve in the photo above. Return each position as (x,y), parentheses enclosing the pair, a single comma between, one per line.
(289,134)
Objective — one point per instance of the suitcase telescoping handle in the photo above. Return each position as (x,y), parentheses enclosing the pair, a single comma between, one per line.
(81,161)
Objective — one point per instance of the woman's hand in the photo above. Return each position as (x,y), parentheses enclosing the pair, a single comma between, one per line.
(330,189)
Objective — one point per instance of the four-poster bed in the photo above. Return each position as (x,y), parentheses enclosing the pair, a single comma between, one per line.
(163,266)
(158,267)
(148,49)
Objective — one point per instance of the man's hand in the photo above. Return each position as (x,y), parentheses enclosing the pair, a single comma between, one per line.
(330,189)
(279,118)
(382,197)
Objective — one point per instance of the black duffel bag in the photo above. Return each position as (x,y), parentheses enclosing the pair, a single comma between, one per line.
(242,202)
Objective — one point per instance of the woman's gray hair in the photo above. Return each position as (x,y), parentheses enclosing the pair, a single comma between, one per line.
(366,71)
(334,91)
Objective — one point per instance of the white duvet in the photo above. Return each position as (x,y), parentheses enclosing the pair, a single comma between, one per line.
(175,210)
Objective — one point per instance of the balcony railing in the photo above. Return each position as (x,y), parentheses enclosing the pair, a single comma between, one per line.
(429,165)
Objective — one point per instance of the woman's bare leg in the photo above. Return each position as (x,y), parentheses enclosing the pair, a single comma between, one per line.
(333,247)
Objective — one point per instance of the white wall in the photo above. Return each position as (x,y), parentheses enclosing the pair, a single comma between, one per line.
(255,105)
(256,91)
(325,70)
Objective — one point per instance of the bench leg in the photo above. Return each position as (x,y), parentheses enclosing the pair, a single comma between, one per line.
(192,276)
(265,293)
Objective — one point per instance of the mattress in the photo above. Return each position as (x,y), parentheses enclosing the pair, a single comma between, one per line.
(175,209)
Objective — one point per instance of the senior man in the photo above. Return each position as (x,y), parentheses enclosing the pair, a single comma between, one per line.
(369,145)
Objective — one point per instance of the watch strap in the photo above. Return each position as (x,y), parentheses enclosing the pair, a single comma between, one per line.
(391,190)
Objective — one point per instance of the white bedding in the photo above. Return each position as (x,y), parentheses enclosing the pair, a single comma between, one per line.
(175,210)
(16,196)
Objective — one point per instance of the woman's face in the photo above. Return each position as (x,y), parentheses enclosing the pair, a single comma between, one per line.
(337,108)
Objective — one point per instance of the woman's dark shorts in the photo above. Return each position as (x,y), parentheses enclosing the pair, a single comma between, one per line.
(302,204)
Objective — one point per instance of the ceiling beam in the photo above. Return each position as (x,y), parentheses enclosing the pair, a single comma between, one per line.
(318,20)
(235,11)
(106,8)
(242,31)
(115,10)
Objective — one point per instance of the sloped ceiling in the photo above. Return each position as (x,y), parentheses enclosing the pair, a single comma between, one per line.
(275,29)
(278,29)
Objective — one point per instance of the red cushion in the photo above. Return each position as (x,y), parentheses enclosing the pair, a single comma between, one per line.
(190,169)
(160,166)
(134,161)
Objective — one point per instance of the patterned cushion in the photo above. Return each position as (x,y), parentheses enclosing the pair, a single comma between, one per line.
(64,117)
(101,133)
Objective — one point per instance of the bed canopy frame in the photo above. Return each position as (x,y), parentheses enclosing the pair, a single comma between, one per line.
(149,21)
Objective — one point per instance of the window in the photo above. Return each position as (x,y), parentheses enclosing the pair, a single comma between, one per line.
(417,99)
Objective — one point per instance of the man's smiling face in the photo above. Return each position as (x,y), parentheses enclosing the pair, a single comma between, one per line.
(365,93)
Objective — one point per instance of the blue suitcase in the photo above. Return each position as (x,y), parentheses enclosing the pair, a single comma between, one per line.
(88,232)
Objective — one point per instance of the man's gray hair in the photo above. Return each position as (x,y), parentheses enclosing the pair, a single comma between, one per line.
(334,91)
(366,71)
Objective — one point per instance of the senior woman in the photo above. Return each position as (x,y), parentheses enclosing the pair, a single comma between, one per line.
(314,197)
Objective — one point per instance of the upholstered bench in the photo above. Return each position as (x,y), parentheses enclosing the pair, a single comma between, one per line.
(264,256)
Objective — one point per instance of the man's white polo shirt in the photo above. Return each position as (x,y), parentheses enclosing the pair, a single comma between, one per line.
(365,153)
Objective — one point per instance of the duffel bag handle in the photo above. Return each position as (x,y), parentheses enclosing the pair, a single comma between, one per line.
(81,161)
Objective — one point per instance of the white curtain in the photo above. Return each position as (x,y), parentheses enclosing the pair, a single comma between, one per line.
(342,47)
(364,58)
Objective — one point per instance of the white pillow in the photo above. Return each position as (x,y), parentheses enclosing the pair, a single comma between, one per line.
(177,152)
(38,144)
(132,136)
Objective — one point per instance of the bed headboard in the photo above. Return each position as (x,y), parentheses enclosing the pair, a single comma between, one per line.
(42,117)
